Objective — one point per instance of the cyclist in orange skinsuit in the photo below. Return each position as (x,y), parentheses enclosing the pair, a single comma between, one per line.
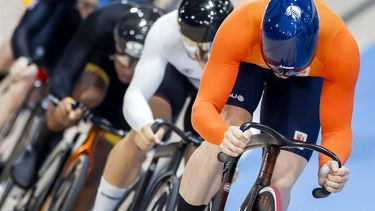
(320,94)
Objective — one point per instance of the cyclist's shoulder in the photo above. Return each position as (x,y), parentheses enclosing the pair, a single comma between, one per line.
(106,17)
(164,33)
(110,11)
(167,22)
(251,8)
(329,22)
(101,22)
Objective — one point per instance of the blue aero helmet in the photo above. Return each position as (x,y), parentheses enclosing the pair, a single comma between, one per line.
(290,30)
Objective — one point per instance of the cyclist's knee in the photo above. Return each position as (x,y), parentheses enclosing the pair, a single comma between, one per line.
(190,150)
(209,151)
(235,115)
(161,108)
(128,146)
(283,185)
(90,89)
(289,167)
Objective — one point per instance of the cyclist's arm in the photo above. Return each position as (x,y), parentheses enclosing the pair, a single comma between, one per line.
(337,97)
(31,22)
(75,57)
(148,76)
(230,47)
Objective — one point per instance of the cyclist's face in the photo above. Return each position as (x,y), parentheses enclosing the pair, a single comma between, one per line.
(281,72)
(197,50)
(86,7)
(124,66)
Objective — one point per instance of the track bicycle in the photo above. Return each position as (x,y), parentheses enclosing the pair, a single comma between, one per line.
(20,122)
(63,173)
(157,192)
(18,131)
(262,196)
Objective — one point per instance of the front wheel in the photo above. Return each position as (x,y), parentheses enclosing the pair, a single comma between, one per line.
(164,196)
(70,183)
(268,199)
(127,200)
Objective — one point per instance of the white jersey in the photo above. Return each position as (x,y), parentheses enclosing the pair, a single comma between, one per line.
(163,45)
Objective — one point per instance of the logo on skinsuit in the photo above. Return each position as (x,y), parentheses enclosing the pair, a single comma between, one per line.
(300,136)
(237,97)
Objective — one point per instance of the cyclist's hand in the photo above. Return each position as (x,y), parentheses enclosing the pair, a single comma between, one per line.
(21,69)
(146,138)
(235,141)
(66,115)
(333,178)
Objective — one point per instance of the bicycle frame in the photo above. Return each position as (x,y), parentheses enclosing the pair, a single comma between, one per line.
(76,141)
(272,142)
(30,102)
(86,147)
(175,151)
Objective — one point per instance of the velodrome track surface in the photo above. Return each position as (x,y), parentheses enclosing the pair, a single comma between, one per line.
(359,193)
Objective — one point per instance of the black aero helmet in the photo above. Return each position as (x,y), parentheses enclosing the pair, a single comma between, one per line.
(200,19)
(131,30)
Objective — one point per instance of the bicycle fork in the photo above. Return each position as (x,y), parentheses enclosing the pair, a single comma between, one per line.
(86,147)
(264,177)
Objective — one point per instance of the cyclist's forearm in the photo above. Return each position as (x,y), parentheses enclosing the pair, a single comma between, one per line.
(20,44)
(30,24)
(60,87)
(136,110)
(339,142)
(207,122)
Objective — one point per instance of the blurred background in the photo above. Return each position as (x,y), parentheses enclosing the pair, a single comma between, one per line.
(359,193)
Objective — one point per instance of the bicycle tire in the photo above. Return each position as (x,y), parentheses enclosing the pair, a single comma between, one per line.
(268,198)
(16,135)
(126,201)
(12,196)
(163,197)
(5,178)
(49,172)
(6,187)
(70,183)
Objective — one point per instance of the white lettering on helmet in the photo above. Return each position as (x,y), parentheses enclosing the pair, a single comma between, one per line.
(294,11)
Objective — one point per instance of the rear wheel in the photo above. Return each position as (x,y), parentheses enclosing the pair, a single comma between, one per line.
(10,194)
(164,196)
(69,185)
(268,199)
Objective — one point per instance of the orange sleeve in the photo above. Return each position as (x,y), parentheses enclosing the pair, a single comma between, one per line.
(230,47)
(337,99)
